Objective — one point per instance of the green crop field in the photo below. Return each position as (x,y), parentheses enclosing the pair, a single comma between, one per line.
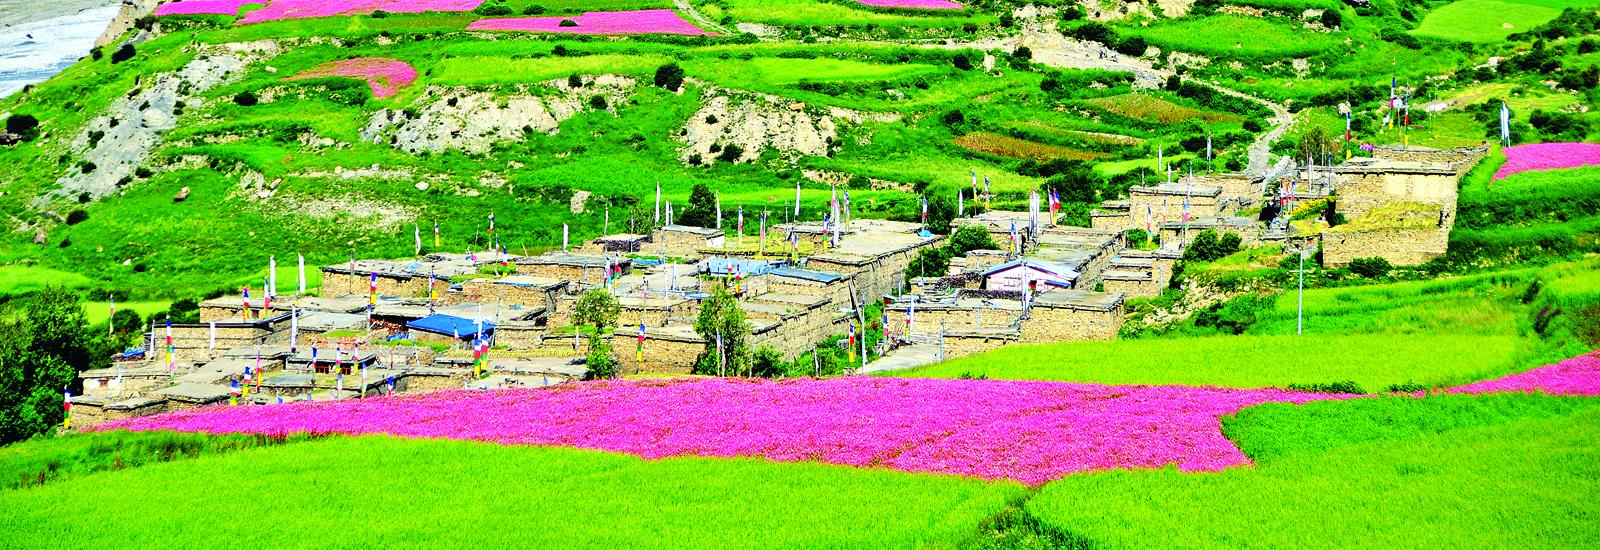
(1491,20)
(378,490)
(1236,37)
(1394,472)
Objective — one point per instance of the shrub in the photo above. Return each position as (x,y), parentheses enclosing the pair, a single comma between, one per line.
(567,23)
(1371,268)
(1007,19)
(1093,32)
(23,125)
(122,54)
(245,99)
(933,261)
(1237,315)
(669,76)
(1022,52)
(711,119)
(379,14)
(492,9)
(598,102)
(969,28)
(961,61)
(573,81)
(87,167)
(1134,46)
(76,217)
(1173,82)
(66,242)
(1347,386)
(1331,18)
(731,153)
(1252,126)
(533,10)
(1208,246)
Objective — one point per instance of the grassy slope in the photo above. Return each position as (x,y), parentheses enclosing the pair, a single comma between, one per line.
(1482,20)
(1439,332)
(395,492)
(1387,472)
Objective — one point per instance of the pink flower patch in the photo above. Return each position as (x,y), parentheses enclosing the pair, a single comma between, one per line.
(1575,376)
(302,9)
(1548,156)
(914,4)
(386,76)
(205,7)
(1028,431)
(660,21)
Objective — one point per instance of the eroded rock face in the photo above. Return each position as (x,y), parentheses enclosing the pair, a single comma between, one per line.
(472,121)
(131,128)
(756,122)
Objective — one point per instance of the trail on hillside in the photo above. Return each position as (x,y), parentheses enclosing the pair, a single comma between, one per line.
(700,20)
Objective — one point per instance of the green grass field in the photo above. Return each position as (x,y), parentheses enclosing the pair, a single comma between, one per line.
(1236,36)
(1490,20)
(380,491)
(1443,472)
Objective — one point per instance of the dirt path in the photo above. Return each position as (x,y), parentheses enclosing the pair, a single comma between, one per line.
(686,8)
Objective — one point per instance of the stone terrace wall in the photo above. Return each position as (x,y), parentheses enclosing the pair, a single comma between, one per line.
(1140,287)
(660,355)
(519,335)
(1401,247)
(964,344)
(1062,324)
(85,415)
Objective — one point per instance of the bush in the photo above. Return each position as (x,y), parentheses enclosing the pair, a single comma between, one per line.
(492,9)
(567,23)
(1134,46)
(1331,18)
(379,14)
(245,99)
(1347,386)
(573,81)
(1173,82)
(932,261)
(669,76)
(1093,32)
(598,102)
(76,217)
(1208,246)
(961,61)
(730,153)
(533,10)
(122,54)
(1022,52)
(1371,268)
(1237,315)
(23,125)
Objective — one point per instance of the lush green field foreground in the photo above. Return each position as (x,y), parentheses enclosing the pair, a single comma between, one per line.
(52,459)
(1505,471)
(384,492)
(1373,361)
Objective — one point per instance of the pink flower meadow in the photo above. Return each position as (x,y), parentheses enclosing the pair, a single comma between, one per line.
(385,76)
(301,9)
(660,21)
(914,4)
(1575,376)
(1548,156)
(205,7)
(1029,431)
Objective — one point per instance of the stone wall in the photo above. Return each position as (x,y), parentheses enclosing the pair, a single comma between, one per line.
(431,382)
(335,284)
(681,243)
(1114,220)
(660,355)
(749,285)
(574,273)
(1063,324)
(486,291)
(519,335)
(1361,192)
(1249,235)
(1232,185)
(1401,247)
(88,414)
(838,292)
(1462,159)
(962,344)
(963,319)
(1143,286)
(1199,206)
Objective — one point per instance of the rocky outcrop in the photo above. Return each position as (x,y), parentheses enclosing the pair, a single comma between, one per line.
(472,121)
(118,141)
(756,122)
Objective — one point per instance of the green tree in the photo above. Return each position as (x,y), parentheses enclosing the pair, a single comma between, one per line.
(720,316)
(969,238)
(1209,246)
(702,210)
(598,309)
(40,355)
(941,210)
(932,261)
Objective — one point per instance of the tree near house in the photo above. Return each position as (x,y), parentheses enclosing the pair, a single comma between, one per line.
(41,353)
(721,321)
(598,309)
(702,211)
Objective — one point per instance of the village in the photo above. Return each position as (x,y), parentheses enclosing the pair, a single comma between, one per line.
(492,319)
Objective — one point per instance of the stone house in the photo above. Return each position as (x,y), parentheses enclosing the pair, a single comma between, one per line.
(1179,234)
(1403,233)
(618,244)
(1064,315)
(1112,215)
(1367,184)
(1016,275)
(577,269)
(684,240)
(1151,206)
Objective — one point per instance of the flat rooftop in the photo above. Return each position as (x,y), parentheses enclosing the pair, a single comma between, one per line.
(1079,299)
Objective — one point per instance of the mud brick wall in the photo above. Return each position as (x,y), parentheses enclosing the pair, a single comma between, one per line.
(1232,185)
(837,292)
(344,284)
(564,272)
(424,383)
(1199,206)
(1115,220)
(486,292)
(519,335)
(1062,324)
(85,415)
(749,285)
(1399,247)
(957,319)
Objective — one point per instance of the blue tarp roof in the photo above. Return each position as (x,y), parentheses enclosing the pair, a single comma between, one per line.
(809,275)
(439,323)
(724,266)
(1058,269)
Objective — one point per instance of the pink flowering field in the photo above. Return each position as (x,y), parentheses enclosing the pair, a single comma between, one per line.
(1575,376)
(385,76)
(1033,432)
(659,21)
(301,9)
(1548,156)
(914,4)
(205,7)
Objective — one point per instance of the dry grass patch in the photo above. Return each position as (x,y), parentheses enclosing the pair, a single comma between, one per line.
(1007,146)
(1145,107)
